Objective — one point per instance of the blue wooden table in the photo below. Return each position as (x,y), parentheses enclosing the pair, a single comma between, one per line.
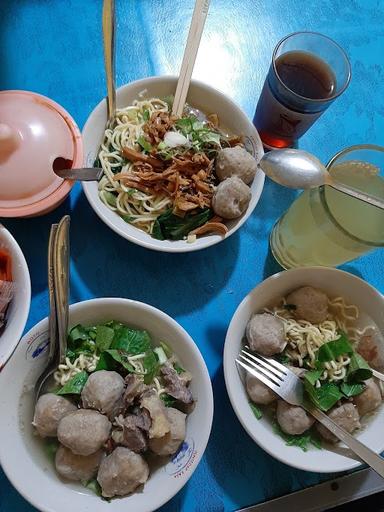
(54,47)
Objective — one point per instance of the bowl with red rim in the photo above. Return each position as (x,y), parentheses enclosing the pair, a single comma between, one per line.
(36,134)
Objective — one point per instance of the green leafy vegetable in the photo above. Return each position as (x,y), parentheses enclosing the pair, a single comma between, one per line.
(147,146)
(151,367)
(146,115)
(109,358)
(156,231)
(282,358)
(75,385)
(323,397)
(334,349)
(178,368)
(168,400)
(167,349)
(104,337)
(173,227)
(127,218)
(256,410)
(110,198)
(94,486)
(169,100)
(51,445)
(349,390)
(130,340)
(77,333)
(303,441)
(358,369)
(313,376)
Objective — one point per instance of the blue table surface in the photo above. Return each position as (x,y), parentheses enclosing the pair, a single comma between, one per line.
(54,47)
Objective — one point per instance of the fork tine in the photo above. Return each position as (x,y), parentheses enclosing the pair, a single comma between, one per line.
(258,375)
(265,363)
(273,362)
(262,370)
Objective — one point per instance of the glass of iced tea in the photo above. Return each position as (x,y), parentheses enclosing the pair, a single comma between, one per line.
(326,227)
(308,72)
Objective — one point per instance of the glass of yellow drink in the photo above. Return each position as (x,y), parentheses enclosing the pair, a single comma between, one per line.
(326,227)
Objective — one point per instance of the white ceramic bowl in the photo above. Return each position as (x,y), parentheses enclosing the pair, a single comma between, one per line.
(21,454)
(19,308)
(200,96)
(334,283)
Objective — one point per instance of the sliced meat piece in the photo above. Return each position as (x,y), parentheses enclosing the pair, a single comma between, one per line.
(135,387)
(175,385)
(155,406)
(131,431)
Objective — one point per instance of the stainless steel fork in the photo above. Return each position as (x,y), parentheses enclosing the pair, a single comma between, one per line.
(290,388)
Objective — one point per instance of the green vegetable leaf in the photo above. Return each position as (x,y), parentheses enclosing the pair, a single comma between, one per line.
(178,368)
(333,349)
(104,337)
(75,385)
(51,445)
(168,400)
(156,231)
(111,359)
(169,100)
(94,486)
(77,333)
(185,124)
(303,441)
(147,146)
(174,227)
(130,340)
(151,367)
(110,198)
(146,115)
(282,358)
(358,369)
(349,390)
(167,349)
(127,218)
(256,410)
(324,397)
(313,376)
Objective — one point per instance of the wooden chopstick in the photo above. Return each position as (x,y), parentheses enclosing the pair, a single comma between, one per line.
(194,37)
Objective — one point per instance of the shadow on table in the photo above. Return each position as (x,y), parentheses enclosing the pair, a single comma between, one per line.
(109,265)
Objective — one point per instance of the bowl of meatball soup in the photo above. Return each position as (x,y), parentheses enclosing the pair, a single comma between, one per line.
(124,420)
(325,325)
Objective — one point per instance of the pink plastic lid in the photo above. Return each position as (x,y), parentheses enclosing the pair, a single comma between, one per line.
(34,132)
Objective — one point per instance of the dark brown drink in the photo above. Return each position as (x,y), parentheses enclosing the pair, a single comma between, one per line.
(299,87)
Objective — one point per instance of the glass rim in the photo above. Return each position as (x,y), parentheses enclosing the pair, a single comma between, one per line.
(314,100)
(345,151)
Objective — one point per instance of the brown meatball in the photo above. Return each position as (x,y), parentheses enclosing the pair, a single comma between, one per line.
(169,444)
(258,392)
(293,419)
(369,399)
(122,472)
(311,304)
(346,416)
(77,467)
(49,410)
(265,334)
(231,198)
(235,162)
(84,431)
(103,391)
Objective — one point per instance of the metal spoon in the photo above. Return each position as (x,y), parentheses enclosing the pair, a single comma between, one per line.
(295,168)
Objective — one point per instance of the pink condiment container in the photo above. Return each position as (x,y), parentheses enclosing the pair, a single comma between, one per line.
(34,131)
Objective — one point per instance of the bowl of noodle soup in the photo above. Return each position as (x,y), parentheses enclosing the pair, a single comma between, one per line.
(355,308)
(131,209)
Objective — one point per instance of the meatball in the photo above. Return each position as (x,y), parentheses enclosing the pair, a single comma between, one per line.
(77,467)
(169,444)
(235,162)
(122,472)
(84,431)
(265,334)
(368,348)
(346,416)
(293,419)
(258,392)
(311,304)
(49,410)
(369,399)
(231,198)
(103,391)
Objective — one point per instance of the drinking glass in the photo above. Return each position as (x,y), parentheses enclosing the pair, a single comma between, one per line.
(308,72)
(326,227)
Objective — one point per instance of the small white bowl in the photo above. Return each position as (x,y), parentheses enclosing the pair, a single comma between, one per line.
(334,283)
(21,454)
(201,96)
(18,310)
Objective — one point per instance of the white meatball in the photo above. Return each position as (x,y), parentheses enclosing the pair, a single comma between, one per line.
(258,392)
(231,198)
(293,419)
(346,416)
(169,444)
(103,391)
(49,410)
(235,162)
(84,431)
(369,399)
(77,467)
(122,472)
(311,304)
(265,334)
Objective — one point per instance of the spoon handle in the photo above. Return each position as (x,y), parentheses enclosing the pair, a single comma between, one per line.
(61,276)
(53,352)
(109,56)
(358,194)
